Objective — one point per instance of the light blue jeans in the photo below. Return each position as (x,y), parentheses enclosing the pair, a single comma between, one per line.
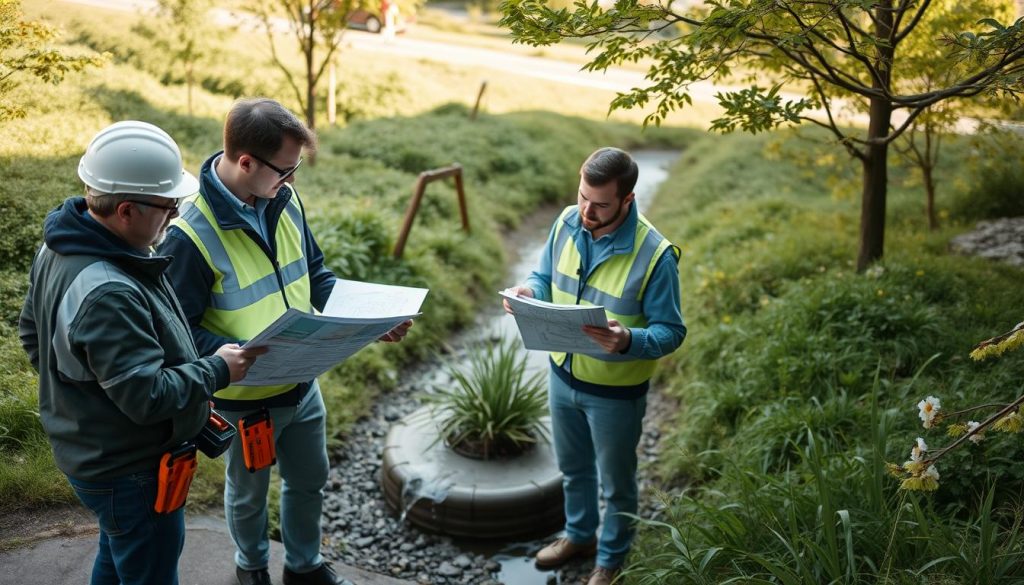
(596,438)
(301,443)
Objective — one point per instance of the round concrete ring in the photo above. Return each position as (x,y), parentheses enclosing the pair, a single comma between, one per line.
(519,497)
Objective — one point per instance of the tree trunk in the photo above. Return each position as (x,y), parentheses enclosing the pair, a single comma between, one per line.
(310,86)
(332,91)
(310,94)
(189,82)
(929,189)
(311,78)
(876,171)
(874,189)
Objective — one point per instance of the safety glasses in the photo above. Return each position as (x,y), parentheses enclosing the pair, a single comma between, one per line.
(282,174)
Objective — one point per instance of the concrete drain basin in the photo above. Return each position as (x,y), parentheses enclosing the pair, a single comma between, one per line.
(441,491)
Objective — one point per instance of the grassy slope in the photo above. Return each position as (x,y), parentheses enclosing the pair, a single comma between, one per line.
(785,339)
(356,195)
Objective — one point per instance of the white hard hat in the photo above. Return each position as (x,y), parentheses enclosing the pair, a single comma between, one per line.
(136,157)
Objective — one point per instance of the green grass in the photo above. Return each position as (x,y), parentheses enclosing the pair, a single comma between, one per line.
(355,194)
(798,381)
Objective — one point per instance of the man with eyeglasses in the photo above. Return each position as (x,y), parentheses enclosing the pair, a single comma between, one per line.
(120,382)
(243,255)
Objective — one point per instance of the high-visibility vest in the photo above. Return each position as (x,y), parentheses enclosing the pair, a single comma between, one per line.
(618,284)
(249,288)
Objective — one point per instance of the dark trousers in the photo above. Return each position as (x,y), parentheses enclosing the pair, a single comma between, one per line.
(137,545)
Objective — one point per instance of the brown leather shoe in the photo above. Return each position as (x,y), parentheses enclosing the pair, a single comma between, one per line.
(602,576)
(562,550)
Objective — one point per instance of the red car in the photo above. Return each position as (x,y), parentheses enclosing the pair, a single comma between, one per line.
(373,21)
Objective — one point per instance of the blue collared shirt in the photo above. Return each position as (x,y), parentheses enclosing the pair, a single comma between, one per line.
(665,330)
(255,216)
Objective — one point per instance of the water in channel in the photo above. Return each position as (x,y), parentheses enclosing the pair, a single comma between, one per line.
(356,522)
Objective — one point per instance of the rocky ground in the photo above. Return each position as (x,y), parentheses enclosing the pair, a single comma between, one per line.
(999,239)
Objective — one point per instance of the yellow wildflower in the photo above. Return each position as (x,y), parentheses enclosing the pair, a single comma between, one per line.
(1011,423)
(926,481)
(999,344)
(956,430)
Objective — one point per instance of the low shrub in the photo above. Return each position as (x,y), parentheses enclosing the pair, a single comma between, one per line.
(994,186)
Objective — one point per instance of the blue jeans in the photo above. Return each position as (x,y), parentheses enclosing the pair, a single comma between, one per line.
(596,438)
(301,443)
(137,545)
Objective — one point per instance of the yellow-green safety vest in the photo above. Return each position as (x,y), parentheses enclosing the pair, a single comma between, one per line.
(618,284)
(246,294)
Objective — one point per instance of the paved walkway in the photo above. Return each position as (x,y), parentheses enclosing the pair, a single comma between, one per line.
(207,559)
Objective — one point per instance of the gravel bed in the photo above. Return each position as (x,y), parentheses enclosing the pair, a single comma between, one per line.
(360,530)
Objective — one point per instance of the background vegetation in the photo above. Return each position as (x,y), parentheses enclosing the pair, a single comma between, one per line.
(355,195)
(800,377)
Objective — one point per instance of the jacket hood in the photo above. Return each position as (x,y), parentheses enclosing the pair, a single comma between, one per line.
(70,230)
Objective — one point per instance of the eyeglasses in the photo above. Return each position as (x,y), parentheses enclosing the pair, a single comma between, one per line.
(171,208)
(282,174)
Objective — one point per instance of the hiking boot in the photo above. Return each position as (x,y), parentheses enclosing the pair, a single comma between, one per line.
(562,550)
(322,575)
(602,576)
(255,577)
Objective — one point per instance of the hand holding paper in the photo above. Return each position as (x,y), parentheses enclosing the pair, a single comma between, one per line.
(301,346)
(614,339)
(515,291)
(550,327)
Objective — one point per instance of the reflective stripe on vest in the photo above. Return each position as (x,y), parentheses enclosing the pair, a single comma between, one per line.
(618,284)
(246,294)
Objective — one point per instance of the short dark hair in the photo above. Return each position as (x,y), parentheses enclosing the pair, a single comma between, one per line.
(611,164)
(258,126)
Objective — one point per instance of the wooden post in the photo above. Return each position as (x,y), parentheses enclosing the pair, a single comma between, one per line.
(425,178)
(479,96)
(332,90)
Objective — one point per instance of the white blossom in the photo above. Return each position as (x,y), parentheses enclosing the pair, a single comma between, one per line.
(932,472)
(971,425)
(919,450)
(928,408)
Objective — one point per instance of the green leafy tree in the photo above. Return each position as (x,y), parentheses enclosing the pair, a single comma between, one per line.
(317,26)
(184,33)
(836,53)
(922,66)
(25,50)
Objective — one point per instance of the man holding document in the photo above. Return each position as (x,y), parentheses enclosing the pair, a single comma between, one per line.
(243,256)
(603,252)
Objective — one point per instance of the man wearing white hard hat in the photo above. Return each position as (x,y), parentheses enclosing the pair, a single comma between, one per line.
(121,386)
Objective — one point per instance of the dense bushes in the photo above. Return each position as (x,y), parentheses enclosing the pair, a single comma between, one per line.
(798,382)
(996,185)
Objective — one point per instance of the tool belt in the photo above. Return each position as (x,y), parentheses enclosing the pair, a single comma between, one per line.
(257,434)
(177,468)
